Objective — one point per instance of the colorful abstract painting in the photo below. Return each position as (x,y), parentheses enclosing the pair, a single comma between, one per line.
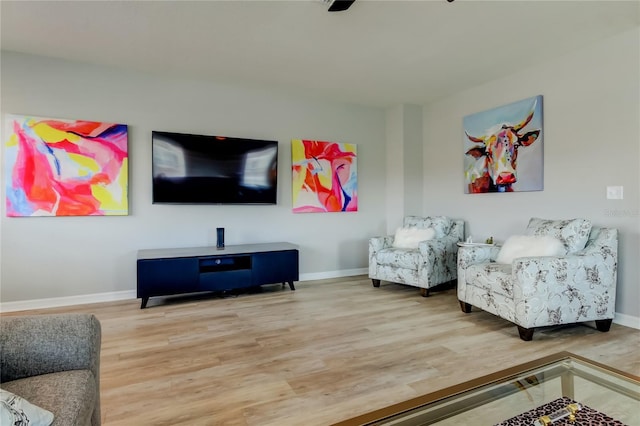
(325,176)
(503,148)
(65,167)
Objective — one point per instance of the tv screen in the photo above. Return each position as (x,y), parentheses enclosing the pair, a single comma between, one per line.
(199,169)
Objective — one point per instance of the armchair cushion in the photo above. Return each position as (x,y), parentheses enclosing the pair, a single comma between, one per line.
(72,394)
(15,410)
(530,245)
(409,238)
(574,233)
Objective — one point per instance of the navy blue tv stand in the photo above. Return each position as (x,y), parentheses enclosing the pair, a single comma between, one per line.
(164,272)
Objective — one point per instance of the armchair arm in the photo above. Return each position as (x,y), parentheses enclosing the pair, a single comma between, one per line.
(40,344)
(430,248)
(471,255)
(378,243)
(439,258)
(574,288)
(375,245)
(582,273)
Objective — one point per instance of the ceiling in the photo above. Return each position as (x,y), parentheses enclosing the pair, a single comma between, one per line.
(378,53)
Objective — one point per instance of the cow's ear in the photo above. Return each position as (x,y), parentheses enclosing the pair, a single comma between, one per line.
(529,138)
(477,152)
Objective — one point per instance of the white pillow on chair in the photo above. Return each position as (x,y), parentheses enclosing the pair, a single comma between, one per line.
(530,245)
(409,238)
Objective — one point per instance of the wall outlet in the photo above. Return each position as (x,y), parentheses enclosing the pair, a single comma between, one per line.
(614,193)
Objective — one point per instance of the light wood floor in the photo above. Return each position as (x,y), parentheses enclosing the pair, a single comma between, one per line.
(328,351)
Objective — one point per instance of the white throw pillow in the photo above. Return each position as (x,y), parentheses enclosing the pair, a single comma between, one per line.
(530,245)
(16,410)
(440,224)
(409,238)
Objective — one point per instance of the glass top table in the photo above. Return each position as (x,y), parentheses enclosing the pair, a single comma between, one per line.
(492,399)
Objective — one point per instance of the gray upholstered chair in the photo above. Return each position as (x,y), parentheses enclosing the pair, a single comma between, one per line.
(537,291)
(53,361)
(431,263)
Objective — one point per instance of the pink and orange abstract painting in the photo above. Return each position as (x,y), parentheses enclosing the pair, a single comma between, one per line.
(325,176)
(58,167)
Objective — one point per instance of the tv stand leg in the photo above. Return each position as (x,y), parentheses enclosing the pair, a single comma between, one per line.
(291,285)
(144,302)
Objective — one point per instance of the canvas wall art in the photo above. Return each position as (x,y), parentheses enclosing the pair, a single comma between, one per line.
(325,176)
(56,167)
(503,148)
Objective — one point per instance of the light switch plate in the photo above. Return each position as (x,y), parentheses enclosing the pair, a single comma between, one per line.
(614,193)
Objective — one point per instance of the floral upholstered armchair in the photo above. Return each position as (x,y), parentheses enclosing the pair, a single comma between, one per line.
(535,290)
(422,253)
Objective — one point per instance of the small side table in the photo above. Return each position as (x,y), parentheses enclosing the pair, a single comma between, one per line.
(463,244)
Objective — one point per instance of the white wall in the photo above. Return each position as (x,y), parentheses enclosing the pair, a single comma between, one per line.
(395,184)
(413,152)
(404,164)
(46,257)
(591,140)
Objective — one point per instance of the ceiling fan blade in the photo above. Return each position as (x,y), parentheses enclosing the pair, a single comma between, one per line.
(340,5)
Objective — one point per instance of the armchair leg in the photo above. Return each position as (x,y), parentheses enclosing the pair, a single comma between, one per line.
(376,283)
(526,334)
(466,308)
(424,292)
(604,325)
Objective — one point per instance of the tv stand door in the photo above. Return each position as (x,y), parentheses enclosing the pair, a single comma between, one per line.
(275,267)
(163,277)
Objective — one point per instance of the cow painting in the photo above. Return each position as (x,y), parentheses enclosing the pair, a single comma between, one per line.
(492,158)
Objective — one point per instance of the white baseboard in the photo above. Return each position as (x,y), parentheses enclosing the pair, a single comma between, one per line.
(56,302)
(333,274)
(627,320)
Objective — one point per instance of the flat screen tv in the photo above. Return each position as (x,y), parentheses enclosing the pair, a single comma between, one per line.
(199,169)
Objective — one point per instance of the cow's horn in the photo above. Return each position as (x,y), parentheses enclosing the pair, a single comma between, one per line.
(473,138)
(524,122)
